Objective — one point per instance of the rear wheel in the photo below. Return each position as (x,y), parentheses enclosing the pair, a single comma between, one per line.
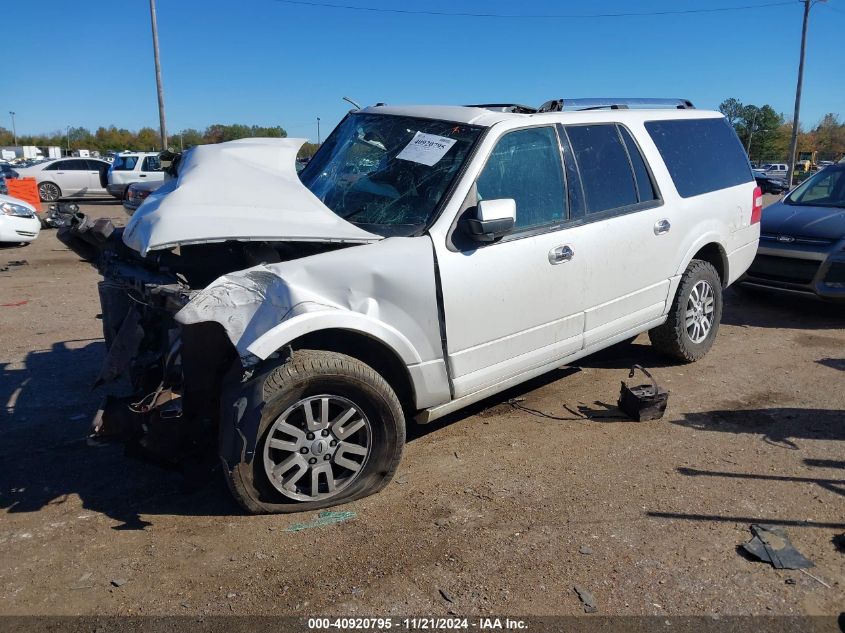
(332,430)
(49,192)
(693,321)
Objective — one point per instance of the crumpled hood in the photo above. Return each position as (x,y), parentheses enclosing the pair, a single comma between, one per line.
(804,221)
(244,190)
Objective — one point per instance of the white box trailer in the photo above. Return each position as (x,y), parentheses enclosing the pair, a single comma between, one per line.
(30,151)
(54,152)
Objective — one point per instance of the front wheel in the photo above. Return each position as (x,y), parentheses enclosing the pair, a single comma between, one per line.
(693,321)
(332,430)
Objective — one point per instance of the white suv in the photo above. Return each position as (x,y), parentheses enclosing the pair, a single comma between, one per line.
(130,167)
(426,258)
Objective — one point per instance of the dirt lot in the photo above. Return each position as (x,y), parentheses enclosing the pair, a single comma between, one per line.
(499,509)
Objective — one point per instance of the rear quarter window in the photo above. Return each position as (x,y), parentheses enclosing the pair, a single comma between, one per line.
(702,155)
(125,163)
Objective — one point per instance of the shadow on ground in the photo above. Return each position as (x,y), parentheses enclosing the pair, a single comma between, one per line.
(784,427)
(757,308)
(45,457)
(778,425)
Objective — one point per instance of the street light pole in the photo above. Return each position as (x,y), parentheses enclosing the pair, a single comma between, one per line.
(793,145)
(14,129)
(162,124)
(751,133)
(318,130)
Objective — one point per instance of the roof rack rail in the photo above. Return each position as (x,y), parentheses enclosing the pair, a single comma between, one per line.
(504,107)
(558,105)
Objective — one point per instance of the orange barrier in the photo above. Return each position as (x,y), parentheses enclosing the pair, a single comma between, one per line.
(24,189)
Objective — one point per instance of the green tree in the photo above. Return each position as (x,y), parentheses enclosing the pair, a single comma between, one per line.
(187,138)
(308,150)
(758,128)
(147,140)
(6,136)
(829,136)
(732,109)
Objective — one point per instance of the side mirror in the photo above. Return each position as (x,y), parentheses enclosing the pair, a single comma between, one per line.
(493,219)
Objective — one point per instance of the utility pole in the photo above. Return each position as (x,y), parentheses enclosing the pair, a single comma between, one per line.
(751,133)
(318,131)
(68,140)
(793,145)
(154,22)
(14,129)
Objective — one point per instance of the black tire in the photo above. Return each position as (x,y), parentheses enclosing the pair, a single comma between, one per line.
(673,338)
(49,192)
(311,373)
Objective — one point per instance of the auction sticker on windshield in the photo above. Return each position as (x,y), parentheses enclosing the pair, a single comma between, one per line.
(426,149)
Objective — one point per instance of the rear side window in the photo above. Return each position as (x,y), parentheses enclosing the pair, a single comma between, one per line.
(645,188)
(124,163)
(73,165)
(702,155)
(606,176)
(151,163)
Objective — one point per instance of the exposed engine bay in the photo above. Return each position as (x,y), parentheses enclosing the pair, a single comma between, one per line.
(168,375)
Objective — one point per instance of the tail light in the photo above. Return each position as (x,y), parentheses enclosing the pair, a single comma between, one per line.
(757,206)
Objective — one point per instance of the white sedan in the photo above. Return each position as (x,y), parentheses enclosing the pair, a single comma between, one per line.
(69,178)
(18,221)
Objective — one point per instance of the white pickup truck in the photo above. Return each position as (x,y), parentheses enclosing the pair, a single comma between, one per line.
(426,258)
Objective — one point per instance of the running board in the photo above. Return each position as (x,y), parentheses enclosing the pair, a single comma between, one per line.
(434,413)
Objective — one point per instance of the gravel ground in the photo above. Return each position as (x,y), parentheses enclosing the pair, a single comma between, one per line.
(495,510)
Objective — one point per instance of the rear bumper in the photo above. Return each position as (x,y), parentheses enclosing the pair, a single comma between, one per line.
(118,191)
(803,270)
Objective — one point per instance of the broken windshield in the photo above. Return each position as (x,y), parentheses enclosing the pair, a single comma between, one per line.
(388,172)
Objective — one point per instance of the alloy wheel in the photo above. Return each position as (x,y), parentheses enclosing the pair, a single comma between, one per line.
(48,192)
(699,315)
(317,447)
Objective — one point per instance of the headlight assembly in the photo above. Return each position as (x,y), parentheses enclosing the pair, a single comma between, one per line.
(18,210)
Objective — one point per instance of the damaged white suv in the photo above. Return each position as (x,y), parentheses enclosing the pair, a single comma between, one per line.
(427,257)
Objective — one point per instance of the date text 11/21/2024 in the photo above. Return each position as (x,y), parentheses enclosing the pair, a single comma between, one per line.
(417,624)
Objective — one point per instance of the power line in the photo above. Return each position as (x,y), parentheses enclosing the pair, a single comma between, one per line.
(575,16)
(832,8)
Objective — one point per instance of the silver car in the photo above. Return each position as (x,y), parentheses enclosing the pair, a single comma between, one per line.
(69,178)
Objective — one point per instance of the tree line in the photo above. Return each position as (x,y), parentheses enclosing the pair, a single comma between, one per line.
(145,139)
(766,134)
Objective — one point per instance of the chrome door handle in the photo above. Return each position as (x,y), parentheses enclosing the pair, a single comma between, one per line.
(662,226)
(560,255)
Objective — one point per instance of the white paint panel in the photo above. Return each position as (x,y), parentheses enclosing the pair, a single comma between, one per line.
(626,323)
(625,308)
(740,260)
(511,367)
(509,347)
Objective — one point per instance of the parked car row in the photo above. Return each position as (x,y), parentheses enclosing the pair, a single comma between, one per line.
(78,177)
(770,184)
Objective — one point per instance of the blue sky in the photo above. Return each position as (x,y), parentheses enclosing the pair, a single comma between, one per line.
(266,62)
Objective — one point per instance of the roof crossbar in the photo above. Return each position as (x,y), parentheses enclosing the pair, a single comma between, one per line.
(559,105)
